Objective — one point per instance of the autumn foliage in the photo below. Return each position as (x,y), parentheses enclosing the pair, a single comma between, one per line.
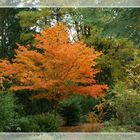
(54,66)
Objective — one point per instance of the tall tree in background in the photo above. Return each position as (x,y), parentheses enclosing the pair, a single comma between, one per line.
(115,22)
(111,35)
(117,54)
(124,23)
(9,32)
(34,20)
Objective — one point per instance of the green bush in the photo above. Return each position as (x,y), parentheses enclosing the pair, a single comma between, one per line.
(126,103)
(87,104)
(112,126)
(32,107)
(40,123)
(70,111)
(7,109)
(28,124)
(48,122)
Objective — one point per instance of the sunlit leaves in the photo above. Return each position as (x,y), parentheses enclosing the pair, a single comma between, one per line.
(51,63)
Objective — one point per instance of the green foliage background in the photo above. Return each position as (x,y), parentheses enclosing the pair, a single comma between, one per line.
(113,31)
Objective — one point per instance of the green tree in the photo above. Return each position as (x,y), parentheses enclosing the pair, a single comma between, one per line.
(117,54)
(34,20)
(9,31)
(124,23)
(115,22)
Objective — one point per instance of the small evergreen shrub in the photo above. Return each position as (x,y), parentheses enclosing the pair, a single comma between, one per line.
(70,111)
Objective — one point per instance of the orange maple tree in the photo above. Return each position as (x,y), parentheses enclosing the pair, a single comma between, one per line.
(55,66)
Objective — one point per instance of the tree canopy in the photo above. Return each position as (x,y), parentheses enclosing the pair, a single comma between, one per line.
(52,63)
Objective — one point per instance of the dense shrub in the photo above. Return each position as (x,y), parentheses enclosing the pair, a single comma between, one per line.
(70,110)
(48,122)
(126,103)
(32,107)
(40,123)
(87,104)
(28,124)
(103,108)
(7,109)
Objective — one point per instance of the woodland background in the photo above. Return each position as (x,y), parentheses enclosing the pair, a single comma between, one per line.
(113,31)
